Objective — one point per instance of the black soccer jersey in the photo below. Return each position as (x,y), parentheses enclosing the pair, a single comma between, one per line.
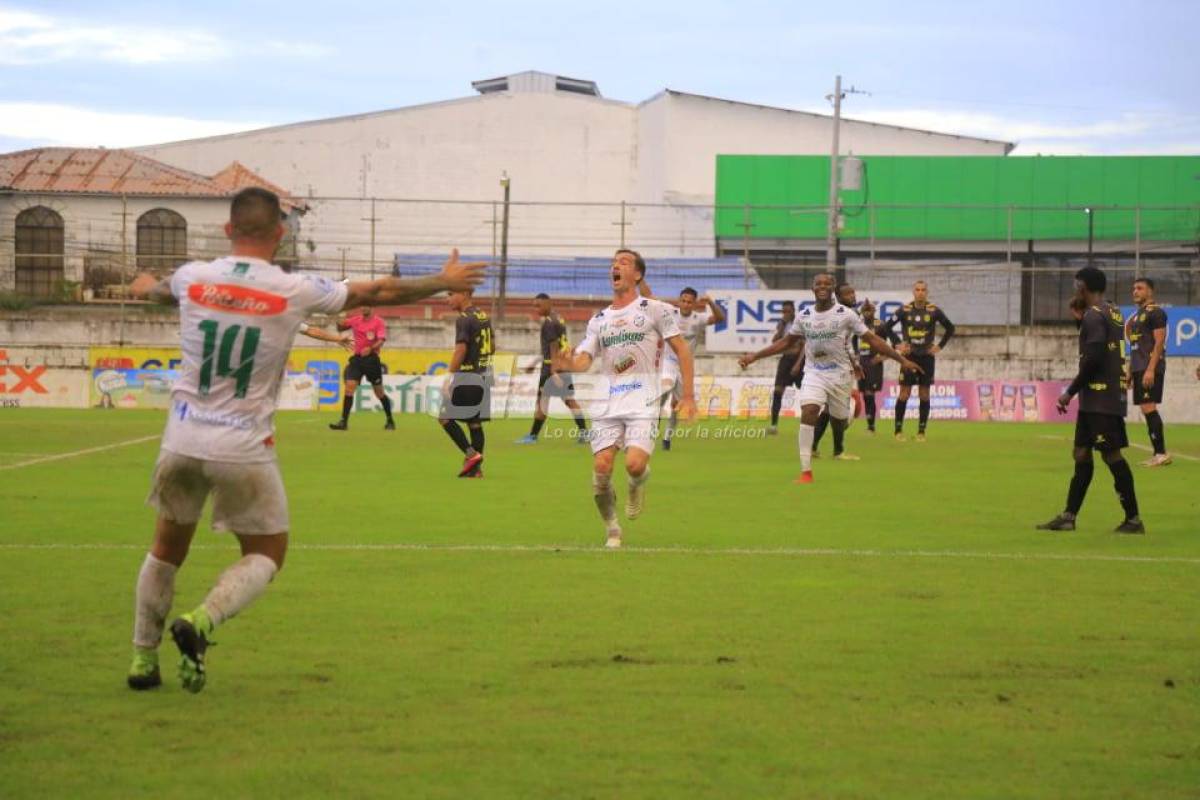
(1141,328)
(866,355)
(917,326)
(554,332)
(474,327)
(1104,391)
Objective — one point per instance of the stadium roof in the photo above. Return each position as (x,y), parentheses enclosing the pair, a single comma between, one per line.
(97,170)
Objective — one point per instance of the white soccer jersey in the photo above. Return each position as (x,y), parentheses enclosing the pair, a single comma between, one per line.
(626,341)
(690,328)
(827,337)
(238,317)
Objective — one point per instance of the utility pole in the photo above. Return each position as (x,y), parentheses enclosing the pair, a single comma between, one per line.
(831,239)
(507,184)
(343,250)
(746,225)
(124,265)
(623,224)
(372,219)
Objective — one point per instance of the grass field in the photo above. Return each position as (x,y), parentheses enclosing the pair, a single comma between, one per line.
(895,630)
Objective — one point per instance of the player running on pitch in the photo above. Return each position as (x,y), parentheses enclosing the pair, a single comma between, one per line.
(551,383)
(238,318)
(825,329)
(626,338)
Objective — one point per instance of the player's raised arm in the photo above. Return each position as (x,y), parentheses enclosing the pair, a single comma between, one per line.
(147,287)
(788,341)
(716,314)
(455,276)
(880,346)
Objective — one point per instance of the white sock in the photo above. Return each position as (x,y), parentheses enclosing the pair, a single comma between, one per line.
(155,592)
(238,587)
(606,498)
(807,433)
(637,480)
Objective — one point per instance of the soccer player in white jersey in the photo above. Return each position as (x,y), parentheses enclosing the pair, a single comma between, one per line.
(692,314)
(826,329)
(238,317)
(626,338)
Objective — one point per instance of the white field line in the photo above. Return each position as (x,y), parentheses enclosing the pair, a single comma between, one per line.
(76,453)
(1148,449)
(788,552)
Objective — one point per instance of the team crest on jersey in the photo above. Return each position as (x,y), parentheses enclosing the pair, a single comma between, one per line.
(240,268)
(639,321)
(237,299)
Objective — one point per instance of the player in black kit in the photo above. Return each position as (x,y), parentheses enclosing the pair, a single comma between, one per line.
(1147,334)
(467,394)
(551,383)
(785,374)
(1100,384)
(871,362)
(917,321)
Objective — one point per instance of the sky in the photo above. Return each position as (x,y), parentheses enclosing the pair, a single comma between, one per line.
(1104,77)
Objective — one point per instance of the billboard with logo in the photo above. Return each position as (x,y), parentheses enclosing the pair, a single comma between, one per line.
(28,381)
(751,316)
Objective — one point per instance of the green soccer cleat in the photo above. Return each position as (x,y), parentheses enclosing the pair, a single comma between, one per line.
(143,672)
(190,634)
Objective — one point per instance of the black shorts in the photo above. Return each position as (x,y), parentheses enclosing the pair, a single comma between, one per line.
(470,398)
(367,367)
(1102,432)
(925,362)
(1140,395)
(783,372)
(560,385)
(872,380)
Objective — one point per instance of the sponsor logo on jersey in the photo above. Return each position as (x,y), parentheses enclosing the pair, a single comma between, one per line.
(237,299)
(624,364)
(622,338)
(186,413)
(624,388)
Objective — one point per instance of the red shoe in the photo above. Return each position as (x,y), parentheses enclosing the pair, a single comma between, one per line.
(805,477)
(469,464)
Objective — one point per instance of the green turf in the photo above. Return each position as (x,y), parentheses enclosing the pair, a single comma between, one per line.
(895,630)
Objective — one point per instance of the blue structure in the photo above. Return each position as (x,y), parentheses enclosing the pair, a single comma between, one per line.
(589,277)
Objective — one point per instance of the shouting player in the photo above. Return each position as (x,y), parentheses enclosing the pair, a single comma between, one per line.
(1147,334)
(467,394)
(825,330)
(917,321)
(626,338)
(1100,384)
(238,316)
(551,383)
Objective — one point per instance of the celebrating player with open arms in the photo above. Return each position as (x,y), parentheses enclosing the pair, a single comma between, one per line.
(825,329)
(238,318)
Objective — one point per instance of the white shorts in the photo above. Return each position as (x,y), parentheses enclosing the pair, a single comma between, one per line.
(623,433)
(833,393)
(247,498)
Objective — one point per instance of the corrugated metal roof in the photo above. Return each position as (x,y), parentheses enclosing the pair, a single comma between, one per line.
(101,171)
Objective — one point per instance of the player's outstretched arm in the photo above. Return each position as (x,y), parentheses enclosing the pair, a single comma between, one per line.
(776,347)
(325,336)
(147,287)
(880,346)
(570,361)
(455,276)
(687,377)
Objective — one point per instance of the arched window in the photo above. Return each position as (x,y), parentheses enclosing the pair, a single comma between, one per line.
(161,240)
(39,252)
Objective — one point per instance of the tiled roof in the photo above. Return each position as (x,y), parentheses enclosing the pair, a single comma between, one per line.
(102,171)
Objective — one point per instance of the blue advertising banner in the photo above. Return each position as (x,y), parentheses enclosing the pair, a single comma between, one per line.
(1183,328)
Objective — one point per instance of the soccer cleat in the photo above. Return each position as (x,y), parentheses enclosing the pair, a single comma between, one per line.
(772,430)
(666,444)
(816,453)
(528,438)
(871,431)
(846,457)
(921,436)
(478,473)
(1062,522)
(583,437)
(340,425)
(143,672)
(470,463)
(1131,526)
(1158,460)
(637,501)
(805,477)
(900,436)
(612,539)
(192,644)
(390,425)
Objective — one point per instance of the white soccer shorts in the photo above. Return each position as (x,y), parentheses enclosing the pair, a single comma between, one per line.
(247,498)
(833,393)
(623,433)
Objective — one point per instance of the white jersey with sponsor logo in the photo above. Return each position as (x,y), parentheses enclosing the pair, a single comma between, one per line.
(827,336)
(626,342)
(237,319)
(690,328)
